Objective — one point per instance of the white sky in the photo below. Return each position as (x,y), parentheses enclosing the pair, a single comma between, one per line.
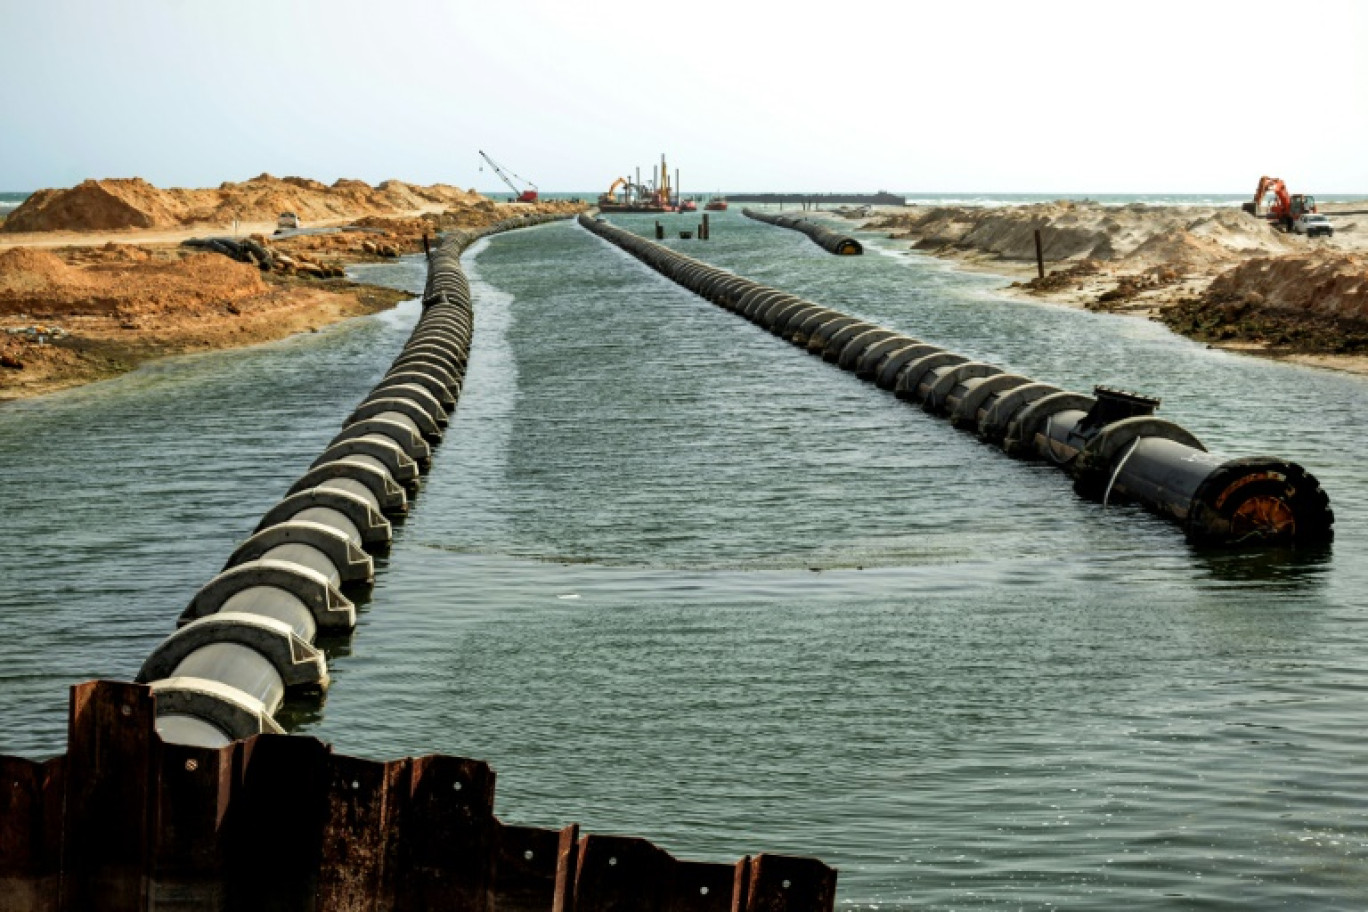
(1027,96)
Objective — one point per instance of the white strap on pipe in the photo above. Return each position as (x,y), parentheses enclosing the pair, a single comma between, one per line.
(1121,464)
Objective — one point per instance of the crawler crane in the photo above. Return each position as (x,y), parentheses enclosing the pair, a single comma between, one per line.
(523,196)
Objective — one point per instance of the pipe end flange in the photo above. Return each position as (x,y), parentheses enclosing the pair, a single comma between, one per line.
(1260,500)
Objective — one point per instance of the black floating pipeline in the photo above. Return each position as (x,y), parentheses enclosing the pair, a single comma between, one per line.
(1110,442)
(832,241)
(250,634)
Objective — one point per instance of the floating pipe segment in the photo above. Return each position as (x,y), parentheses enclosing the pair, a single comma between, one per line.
(832,241)
(1110,442)
(249,636)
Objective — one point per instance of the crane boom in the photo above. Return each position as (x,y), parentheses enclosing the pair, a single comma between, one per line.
(524,196)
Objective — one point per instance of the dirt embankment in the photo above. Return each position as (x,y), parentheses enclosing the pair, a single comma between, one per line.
(83,314)
(1308,303)
(1215,273)
(373,237)
(113,204)
(88,311)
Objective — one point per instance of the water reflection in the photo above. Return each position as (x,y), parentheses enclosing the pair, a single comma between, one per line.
(1304,570)
(603,588)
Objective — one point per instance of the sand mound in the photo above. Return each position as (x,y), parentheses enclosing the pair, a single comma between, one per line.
(1007,233)
(37,283)
(124,253)
(1329,284)
(1180,249)
(104,205)
(26,269)
(94,206)
(1310,302)
(1144,235)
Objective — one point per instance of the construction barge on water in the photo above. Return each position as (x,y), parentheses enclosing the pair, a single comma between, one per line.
(658,195)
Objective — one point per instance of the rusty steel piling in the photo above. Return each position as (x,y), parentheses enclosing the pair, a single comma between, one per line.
(126,821)
(181,792)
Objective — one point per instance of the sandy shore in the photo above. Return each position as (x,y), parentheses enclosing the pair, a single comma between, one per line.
(1216,274)
(78,306)
(140,236)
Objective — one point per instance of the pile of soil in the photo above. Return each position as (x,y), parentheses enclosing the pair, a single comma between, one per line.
(71,315)
(116,279)
(1302,303)
(1140,235)
(75,315)
(378,237)
(1061,278)
(1215,273)
(1329,283)
(112,204)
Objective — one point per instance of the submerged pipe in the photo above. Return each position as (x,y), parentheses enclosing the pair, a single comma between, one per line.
(1110,443)
(249,636)
(831,241)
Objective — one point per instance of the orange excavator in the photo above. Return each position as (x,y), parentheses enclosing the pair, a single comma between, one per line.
(1284,208)
(609,196)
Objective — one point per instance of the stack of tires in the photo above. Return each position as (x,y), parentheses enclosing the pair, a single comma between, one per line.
(1109,442)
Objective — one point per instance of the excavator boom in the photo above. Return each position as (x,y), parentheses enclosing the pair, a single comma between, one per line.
(1285,208)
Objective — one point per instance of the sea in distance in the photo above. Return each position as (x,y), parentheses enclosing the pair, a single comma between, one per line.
(11,200)
(916,198)
(674,578)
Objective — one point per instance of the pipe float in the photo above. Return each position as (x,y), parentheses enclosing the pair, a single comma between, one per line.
(248,637)
(1110,443)
(379,451)
(831,241)
(136,808)
(284,541)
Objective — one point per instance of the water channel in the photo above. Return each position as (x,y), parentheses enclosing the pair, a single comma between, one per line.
(674,578)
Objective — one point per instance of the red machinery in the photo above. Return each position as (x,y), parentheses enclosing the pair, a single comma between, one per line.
(1285,208)
(524,196)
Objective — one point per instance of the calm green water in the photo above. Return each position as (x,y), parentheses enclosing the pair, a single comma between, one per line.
(674,578)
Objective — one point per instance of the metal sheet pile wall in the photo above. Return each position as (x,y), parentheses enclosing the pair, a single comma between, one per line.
(181,794)
(1110,443)
(126,822)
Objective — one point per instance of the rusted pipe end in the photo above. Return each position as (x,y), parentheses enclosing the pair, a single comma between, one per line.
(1260,500)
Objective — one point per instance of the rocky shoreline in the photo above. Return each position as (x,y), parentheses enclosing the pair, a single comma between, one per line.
(1215,274)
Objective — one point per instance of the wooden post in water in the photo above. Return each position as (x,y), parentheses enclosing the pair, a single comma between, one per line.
(1040,255)
(707,229)
(427,250)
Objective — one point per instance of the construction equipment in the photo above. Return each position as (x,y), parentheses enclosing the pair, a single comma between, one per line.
(523,196)
(640,197)
(1285,208)
(620,182)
